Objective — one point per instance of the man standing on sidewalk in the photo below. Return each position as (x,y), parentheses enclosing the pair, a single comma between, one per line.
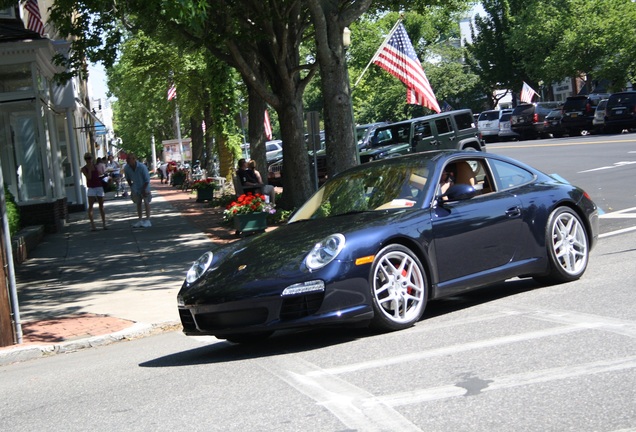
(138,179)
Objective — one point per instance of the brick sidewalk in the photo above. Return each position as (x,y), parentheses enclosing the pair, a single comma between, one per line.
(207,219)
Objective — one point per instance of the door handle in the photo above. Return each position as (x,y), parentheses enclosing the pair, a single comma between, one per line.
(513,212)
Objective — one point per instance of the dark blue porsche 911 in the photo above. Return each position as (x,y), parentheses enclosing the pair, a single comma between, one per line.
(378,241)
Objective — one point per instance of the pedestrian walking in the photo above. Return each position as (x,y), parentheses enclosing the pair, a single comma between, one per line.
(138,180)
(94,190)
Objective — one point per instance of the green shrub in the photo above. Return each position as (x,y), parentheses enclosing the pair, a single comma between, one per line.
(13,214)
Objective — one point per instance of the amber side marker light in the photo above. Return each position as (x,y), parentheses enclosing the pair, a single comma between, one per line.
(365,260)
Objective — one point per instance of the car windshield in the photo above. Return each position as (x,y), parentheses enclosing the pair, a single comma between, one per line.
(377,187)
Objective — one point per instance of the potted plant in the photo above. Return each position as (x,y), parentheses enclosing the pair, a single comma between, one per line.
(178,177)
(249,212)
(205,189)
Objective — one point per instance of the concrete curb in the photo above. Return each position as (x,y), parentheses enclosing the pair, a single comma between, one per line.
(137,330)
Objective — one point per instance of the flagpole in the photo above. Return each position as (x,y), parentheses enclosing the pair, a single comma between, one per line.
(386,40)
(176,114)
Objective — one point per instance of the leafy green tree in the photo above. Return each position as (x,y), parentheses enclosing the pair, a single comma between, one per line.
(574,38)
(138,81)
(491,56)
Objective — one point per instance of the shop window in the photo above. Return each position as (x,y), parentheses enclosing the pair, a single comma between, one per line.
(16,78)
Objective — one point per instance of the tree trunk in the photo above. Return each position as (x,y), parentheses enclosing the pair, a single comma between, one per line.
(330,19)
(297,184)
(197,139)
(256,132)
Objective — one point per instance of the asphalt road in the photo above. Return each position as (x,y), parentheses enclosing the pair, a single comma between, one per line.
(603,165)
(511,357)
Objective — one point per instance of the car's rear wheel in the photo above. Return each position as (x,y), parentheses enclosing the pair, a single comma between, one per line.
(568,247)
(399,288)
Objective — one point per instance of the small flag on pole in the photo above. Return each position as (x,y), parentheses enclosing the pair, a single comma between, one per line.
(398,58)
(267,126)
(172,92)
(35,19)
(527,93)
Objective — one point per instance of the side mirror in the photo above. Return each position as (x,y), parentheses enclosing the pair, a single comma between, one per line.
(460,192)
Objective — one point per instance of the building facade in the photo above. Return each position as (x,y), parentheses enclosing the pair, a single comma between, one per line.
(45,127)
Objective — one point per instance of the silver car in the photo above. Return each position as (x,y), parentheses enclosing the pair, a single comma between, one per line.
(599,116)
(488,124)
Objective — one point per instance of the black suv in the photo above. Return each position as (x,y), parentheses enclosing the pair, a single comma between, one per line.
(527,119)
(620,112)
(578,113)
(447,130)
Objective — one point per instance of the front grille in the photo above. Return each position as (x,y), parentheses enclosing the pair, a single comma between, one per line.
(187,321)
(301,306)
(223,320)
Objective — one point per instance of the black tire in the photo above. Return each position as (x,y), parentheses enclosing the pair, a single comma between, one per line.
(568,247)
(398,289)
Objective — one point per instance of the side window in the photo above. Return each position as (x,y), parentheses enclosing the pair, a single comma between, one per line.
(464,121)
(443,125)
(382,136)
(472,172)
(422,130)
(404,133)
(508,175)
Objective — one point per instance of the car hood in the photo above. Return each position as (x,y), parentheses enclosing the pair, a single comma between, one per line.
(275,259)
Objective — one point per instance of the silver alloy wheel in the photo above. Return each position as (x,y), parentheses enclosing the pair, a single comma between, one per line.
(399,287)
(569,243)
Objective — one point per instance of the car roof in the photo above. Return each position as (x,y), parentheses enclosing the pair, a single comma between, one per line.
(430,117)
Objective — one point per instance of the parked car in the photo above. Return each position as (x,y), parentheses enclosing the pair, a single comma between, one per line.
(598,122)
(273,149)
(620,112)
(527,119)
(378,241)
(447,130)
(578,113)
(505,131)
(552,124)
(365,132)
(488,124)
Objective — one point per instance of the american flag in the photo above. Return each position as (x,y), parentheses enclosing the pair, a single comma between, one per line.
(398,58)
(446,106)
(527,93)
(268,126)
(172,92)
(35,19)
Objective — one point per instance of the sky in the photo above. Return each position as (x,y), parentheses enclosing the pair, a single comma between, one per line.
(97,81)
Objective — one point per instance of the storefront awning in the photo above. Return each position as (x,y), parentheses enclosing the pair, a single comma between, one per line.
(100,129)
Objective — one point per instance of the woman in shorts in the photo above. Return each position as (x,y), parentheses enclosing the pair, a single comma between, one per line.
(95,189)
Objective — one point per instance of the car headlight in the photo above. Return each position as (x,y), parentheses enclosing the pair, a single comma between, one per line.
(199,267)
(325,251)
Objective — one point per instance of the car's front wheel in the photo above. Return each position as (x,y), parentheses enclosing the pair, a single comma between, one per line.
(399,288)
(567,247)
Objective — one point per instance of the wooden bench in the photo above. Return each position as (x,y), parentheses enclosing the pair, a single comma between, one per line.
(240,189)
